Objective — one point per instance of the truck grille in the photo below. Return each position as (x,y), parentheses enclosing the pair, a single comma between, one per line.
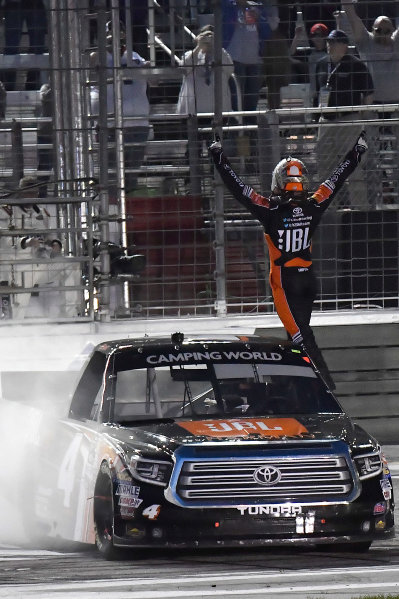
(301,478)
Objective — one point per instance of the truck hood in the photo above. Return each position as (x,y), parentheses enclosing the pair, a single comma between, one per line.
(161,436)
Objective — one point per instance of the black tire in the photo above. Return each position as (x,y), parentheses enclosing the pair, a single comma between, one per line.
(104,515)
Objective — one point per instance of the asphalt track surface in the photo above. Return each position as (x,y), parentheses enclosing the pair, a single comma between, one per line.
(281,573)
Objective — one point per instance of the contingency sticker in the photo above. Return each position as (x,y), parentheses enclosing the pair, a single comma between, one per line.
(386,488)
(243,427)
(128,495)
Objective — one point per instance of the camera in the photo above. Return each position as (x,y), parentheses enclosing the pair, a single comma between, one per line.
(122,265)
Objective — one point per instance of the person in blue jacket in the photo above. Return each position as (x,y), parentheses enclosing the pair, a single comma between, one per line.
(246,26)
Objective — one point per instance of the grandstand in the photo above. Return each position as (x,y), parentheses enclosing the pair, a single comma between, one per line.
(204,255)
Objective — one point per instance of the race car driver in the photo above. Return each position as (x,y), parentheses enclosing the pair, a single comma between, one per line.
(289,217)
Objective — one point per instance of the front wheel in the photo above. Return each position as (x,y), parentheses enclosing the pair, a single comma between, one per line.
(104,514)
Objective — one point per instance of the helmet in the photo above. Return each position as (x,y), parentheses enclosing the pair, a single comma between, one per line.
(290,174)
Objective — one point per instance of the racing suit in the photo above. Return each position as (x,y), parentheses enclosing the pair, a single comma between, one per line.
(289,226)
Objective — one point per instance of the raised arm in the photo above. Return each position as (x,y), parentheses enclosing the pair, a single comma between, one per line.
(328,189)
(248,197)
(358,27)
(299,30)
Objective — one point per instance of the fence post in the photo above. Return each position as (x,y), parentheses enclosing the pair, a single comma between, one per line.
(193,155)
(220,259)
(17,152)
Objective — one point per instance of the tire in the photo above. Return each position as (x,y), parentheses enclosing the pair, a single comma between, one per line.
(104,515)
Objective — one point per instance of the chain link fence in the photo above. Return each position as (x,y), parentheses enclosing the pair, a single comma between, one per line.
(125,174)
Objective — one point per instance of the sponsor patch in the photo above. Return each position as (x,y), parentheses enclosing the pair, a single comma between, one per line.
(242,427)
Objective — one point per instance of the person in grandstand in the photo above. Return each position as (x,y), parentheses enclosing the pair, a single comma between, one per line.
(379,49)
(135,104)
(197,90)
(309,57)
(342,80)
(289,217)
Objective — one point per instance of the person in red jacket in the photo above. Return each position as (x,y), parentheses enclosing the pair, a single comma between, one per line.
(289,217)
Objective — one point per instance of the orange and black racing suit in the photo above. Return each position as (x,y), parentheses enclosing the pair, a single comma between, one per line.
(289,227)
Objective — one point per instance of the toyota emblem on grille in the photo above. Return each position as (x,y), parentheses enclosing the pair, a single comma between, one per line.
(267,475)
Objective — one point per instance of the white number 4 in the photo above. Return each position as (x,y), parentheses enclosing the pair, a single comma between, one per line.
(152,512)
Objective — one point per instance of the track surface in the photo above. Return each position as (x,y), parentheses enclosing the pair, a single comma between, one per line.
(222,574)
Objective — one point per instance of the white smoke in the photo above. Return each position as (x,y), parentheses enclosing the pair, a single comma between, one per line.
(30,405)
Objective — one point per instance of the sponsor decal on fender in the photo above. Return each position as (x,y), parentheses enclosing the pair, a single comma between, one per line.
(379,508)
(128,496)
(386,488)
(132,502)
(243,427)
(126,490)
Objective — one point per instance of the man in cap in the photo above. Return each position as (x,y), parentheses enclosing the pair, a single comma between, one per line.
(289,217)
(342,80)
(317,35)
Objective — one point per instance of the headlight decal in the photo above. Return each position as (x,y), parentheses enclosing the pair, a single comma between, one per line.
(156,472)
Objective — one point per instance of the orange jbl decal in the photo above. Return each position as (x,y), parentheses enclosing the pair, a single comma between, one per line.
(242,427)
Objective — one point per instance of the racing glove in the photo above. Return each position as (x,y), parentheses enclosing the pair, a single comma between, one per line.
(216,149)
(361,145)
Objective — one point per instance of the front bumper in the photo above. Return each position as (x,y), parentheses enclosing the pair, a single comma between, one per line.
(179,527)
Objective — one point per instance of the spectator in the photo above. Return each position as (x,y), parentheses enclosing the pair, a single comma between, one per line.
(134,104)
(197,90)
(44,247)
(246,26)
(289,217)
(318,36)
(380,50)
(314,11)
(369,10)
(33,13)
(342,80)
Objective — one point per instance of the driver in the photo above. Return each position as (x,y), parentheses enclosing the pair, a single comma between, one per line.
(289,217)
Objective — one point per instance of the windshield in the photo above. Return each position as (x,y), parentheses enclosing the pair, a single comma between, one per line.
(219,390)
